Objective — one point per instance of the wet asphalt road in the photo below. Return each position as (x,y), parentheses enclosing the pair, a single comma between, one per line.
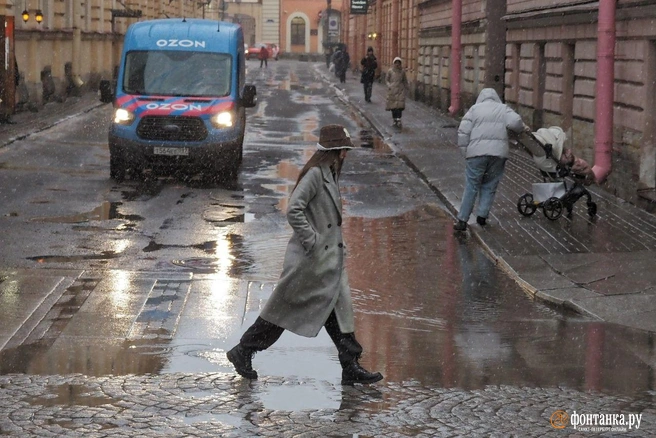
(119,300)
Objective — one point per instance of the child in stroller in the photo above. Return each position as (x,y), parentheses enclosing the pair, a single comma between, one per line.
(564,175)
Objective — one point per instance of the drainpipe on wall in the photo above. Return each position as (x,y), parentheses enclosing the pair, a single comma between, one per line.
(77,44)
(456,48)
(604,91)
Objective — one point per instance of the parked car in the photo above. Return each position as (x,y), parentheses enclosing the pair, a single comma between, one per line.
(274,50)
(254,50)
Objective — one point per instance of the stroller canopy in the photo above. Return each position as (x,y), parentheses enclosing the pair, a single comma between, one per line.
(554,136)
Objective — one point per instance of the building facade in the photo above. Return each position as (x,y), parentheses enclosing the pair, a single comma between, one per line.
(391,27)
(75,44)
(543,56)
(306,25)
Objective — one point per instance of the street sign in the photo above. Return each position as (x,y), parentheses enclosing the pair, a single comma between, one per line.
(359,7)
(130,13)
(333,24)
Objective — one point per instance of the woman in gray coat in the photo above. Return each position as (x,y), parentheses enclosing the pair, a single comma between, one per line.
(313,289)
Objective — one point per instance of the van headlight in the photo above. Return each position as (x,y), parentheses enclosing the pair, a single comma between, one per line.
(223,119)
(123,116)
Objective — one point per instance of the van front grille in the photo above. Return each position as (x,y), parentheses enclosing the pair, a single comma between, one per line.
(172,128)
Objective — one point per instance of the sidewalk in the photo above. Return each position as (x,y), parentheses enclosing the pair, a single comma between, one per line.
(28,122)
(604,267)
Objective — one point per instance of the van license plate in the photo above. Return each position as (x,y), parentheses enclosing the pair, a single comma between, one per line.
(170,151)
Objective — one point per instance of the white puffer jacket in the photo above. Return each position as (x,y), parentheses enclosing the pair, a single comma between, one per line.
(483,130)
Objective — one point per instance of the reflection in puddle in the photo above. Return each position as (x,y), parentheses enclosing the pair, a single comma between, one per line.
(208,247)
(70,395)
(421,293)
(224,214)
(105,255)
(123,227)
(230,257)
(106,211)
(230,420)
(369,140)
(299,397)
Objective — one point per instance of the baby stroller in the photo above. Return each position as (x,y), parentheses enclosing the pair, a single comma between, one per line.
(564,176)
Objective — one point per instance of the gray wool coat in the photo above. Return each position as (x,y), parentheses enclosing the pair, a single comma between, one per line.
(313,282)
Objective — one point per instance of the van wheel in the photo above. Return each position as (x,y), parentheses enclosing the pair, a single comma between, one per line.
(116,167)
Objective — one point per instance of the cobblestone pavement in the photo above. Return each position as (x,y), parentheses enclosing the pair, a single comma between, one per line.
(218,404)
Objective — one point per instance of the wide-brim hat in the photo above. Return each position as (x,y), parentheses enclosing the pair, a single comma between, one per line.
(334,137)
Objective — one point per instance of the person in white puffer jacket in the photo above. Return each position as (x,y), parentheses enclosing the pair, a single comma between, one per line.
(483,141)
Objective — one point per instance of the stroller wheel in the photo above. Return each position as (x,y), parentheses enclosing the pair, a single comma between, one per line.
(592,209)
(525,205)
(553,208)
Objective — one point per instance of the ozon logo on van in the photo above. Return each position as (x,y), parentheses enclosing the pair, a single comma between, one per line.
(173,106)
(180,43)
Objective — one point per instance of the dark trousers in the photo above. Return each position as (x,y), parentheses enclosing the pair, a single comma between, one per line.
(263,334)
(368,86)
(396,113)
(263,62)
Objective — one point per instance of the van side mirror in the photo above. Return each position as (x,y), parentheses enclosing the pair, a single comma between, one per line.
(106,92)
(250,96)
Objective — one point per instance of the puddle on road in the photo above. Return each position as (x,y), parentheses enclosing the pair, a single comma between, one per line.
(300,397)
(208,247)
(104,255)
(370,140)
(71,395)
(230,420)
(224,214)
(105,211)
(229,256)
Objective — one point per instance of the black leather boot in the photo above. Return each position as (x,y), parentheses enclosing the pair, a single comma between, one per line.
(353,373)
(242,361)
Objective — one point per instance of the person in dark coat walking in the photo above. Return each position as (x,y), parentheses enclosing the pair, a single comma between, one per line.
(264,56)
(342,61)
(313,289)
(369,65)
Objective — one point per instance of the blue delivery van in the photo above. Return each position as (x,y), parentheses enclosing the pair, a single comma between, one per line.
(179,98)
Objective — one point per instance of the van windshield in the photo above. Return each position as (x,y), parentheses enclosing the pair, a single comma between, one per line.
(177,73)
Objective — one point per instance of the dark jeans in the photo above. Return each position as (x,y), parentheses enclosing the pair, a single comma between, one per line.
(396,113)
(263,62)
(263,334)
(368,86)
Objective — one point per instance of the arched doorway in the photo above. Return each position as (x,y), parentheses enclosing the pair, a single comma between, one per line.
(298,33)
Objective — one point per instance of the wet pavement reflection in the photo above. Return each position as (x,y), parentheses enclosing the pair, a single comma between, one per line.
(436,309)
(430,308)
